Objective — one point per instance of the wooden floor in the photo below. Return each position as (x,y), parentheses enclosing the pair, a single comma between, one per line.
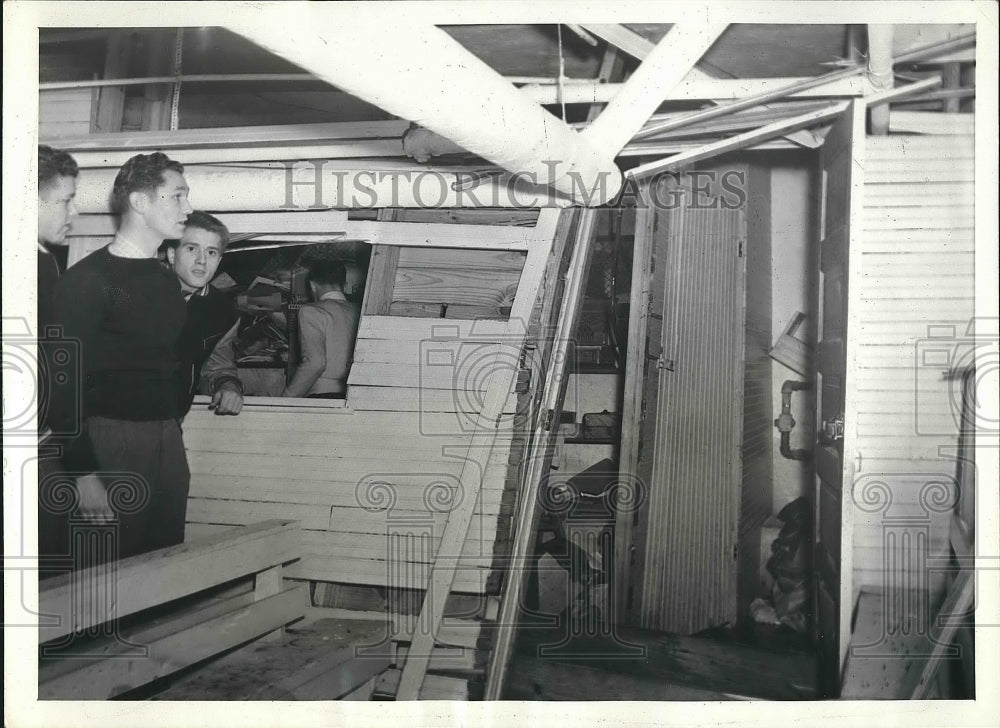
(340,657)
(318,658)
(630,664)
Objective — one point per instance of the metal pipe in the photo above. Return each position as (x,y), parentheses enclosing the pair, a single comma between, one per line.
(879,72)
(420,73)
(786,423)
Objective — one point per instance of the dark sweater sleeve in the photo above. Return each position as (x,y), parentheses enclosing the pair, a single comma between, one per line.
(78,304)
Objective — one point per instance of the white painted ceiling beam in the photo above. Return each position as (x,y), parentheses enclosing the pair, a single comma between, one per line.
(420,73)
(666,66)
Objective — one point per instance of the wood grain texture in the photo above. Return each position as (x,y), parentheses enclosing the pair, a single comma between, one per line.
(176,644)
(150,579)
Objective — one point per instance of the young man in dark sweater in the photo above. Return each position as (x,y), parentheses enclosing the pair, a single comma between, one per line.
(206,347)
(126,311)
(57,172)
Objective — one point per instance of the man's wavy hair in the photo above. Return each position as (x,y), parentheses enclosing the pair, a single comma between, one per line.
(202,220)
(141,173)
(53,164)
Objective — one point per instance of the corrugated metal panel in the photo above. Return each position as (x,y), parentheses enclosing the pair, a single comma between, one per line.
(689,580)
(916,303)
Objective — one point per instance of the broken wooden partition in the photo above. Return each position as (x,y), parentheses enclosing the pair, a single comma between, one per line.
(373,482)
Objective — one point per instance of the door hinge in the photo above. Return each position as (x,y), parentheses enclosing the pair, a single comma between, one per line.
(669,364)
(736,549)
(740,248)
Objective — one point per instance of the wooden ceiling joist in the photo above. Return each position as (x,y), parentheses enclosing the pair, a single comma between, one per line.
(640,96)
(230,136)
(769,131)
(705,89)
(740,141)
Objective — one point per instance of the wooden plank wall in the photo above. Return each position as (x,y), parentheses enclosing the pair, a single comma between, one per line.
(63,113)
(371,481)
(916,304)
(462,284)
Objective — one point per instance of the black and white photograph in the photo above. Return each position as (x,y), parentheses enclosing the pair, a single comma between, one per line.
(615,363)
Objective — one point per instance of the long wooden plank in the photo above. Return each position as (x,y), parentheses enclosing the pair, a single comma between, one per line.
(441,235)
(449,659)
(458,522)
(407,499)
(409,399)
(508,260)
(540,458)
(239,223)
(377,546)
(421,474)
(427,445)
(621,37)
(740,141)
(371,572)
(465,633)
(234,136)
(341,520)
(419,329)
(171,649)
(692,89)
(335,422)
(635,365)
(331,225)
(150,579)
(422,446)
(435,687)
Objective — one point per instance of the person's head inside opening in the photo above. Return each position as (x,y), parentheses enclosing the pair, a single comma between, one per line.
(151,196)
(326,276)
(196,256)
(57,173)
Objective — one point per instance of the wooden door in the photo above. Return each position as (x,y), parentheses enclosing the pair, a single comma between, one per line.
(684,574)
(842,167)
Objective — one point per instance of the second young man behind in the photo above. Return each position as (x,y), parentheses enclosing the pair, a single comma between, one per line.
(206,346)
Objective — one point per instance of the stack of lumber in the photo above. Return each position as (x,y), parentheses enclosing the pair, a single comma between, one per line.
(108,632)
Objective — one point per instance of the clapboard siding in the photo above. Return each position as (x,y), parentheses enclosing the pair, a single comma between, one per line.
(915,302)
(359,478)
(64,113)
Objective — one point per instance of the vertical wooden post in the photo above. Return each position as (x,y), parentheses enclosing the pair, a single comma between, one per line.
(381,274)
(951,77)
(266,584)
(611,69)
(111,101)
(156,97)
